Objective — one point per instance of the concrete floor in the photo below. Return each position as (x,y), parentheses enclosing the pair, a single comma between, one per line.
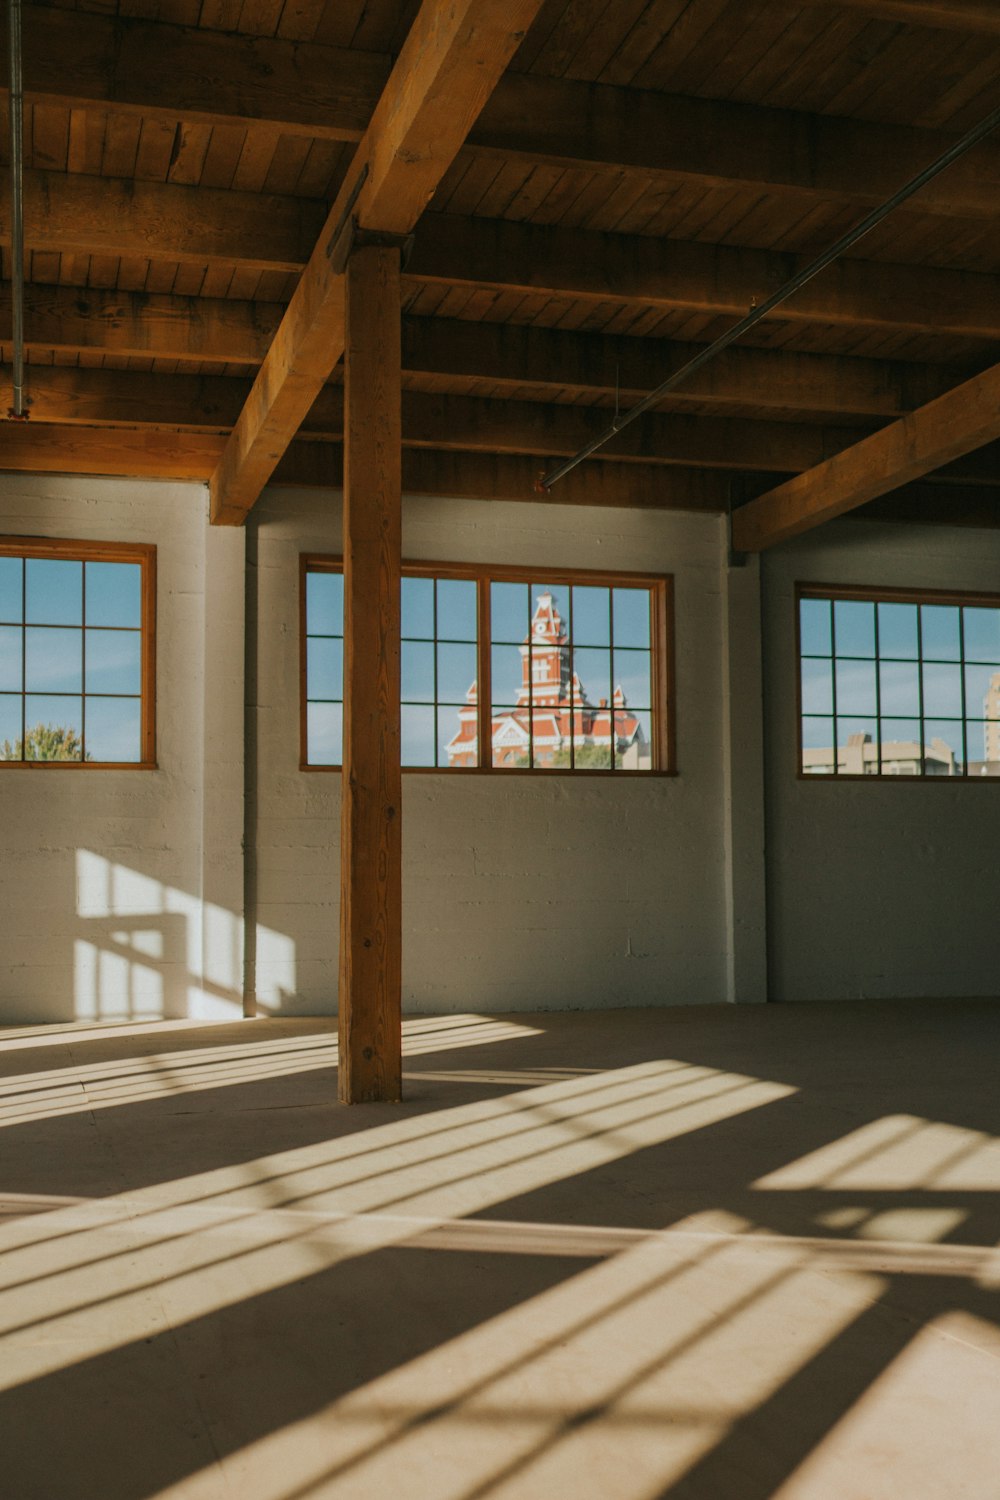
(697,1254)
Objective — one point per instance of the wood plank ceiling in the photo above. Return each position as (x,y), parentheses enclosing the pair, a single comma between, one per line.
(644,171)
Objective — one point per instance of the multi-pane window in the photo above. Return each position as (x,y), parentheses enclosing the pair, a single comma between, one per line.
(896,684)
(76,654)
(506,670)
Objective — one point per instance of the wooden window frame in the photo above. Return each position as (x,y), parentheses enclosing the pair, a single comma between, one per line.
(972,599)
(662,712)
(143,553)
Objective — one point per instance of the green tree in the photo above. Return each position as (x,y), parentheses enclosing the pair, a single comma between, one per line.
(585,758)
(45,742)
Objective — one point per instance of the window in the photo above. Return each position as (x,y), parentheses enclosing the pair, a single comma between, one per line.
(899,684)
(77,633)
(505,670)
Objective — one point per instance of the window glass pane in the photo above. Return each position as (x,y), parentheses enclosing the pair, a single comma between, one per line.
(324,734)
(591,615)
(943,748)
(982,691)
(633,740)
(942,690)
(506,674)
(632,617)
(982,748)
(53,661)
(594,671)
(939,628)
(54,592)
(114,729)
(53,727)
(417,672)
(857,746)
(817,686)
(10,659)
(509,611)
(11,603)
(900,687)
(113,662)
(419,734)
(854,624)
(114,594)
(458,739)
(633,674)
(815,628)
(550,747)
(982,634)
(819,757)
(417,603)
(510,737)
(324,604)
(456,609)
(456,672)
(10,726)
(546,674)
(855,687)
(977,745)
(897,631)
(325,667)
(901,747)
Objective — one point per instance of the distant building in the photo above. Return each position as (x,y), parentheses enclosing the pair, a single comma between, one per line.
(860,757)
(551,709)
(991,713)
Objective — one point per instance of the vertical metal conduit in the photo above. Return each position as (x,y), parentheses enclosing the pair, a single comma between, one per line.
(17,412)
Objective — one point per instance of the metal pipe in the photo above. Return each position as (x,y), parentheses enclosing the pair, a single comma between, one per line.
(754,316)
(17,411)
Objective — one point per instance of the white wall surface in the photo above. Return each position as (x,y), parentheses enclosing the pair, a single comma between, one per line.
(115,903)
(521,892)
(884,888)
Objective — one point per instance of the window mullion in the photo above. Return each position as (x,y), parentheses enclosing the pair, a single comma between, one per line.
(24,658)
(961,671)
(484,757)
(833,685)
(878,695)
(920,685)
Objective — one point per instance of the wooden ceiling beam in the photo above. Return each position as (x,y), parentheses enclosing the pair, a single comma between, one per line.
(643,272)
(511,357)
(187,403)
(187,75)
(70,211)
(450,63)
(143,325)
(981,17)
(192,456)
(166,222)
(939,433)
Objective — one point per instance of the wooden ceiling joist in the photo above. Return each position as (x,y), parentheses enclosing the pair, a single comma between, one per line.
(193,456)
(461,423)
(225,331)
(183,75)
(643,272)
(936,434)
(450,64)
(123,399)
(70,212)
(166,222)
(978,16)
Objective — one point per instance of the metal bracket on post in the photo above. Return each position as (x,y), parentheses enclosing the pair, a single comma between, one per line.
(401,242)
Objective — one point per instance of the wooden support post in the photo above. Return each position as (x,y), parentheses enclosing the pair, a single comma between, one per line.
(371,846)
